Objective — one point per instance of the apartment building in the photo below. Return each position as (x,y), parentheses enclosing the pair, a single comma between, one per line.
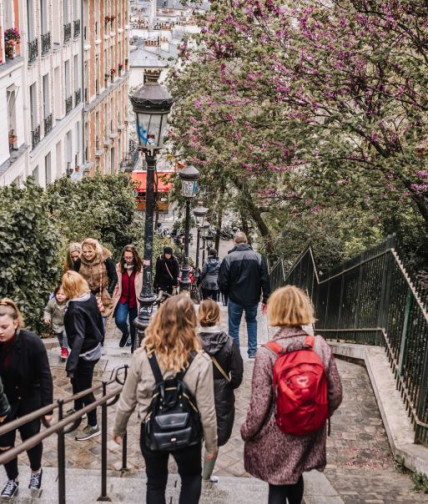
(106,63)
(63,88)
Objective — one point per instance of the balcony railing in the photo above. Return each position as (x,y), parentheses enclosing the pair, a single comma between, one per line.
(77,97)
(46,42)
(48,124)
(76,25)
(35,136)
(33,50)
(68,104)
(67,32)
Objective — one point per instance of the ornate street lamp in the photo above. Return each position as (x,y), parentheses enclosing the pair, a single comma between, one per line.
(151,104)
(189,176)
(199,212)
(205,229)
(209,237)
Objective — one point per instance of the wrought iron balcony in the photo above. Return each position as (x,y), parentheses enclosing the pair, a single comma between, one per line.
(46,42)
(68,104)
(48,124)
(76,25)
(33,50)
(67,32)
(35,136)
(77,97)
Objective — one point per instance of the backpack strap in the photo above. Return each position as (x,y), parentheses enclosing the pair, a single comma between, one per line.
(155,369)
(275,347)
(309,342)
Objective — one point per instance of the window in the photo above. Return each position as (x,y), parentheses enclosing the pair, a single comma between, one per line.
(11,111)
(77,154)
(68,148)
(9,15)
(76,10)
(57,94)
(76,73)
(44,16)
(36,175)
(48,170)
(33,107)
(65,12)
(30,20)
(67,78)
(46,97)
(58,160)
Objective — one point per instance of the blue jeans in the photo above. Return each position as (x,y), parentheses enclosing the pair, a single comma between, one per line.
(121,315)
(235,313)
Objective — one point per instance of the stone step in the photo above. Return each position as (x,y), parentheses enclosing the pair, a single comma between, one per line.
(84,487)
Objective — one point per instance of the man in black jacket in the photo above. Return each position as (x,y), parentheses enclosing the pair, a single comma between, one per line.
(243,278)
(167,271)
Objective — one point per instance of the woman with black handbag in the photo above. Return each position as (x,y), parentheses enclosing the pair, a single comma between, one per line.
(170,343)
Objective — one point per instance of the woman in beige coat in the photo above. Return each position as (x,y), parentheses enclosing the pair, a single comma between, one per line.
(125,296)
(171,337)
(270,454)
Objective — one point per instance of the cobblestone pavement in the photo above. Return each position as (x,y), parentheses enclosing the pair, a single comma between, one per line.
(360,467)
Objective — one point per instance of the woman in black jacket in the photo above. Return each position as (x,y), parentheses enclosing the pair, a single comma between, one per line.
(228,371)
(85,333)
(27,380)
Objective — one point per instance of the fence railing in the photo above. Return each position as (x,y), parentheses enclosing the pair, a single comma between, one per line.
(68,422)
(371,299)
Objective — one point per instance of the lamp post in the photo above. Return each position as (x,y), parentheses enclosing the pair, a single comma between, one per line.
(205,229)
(189,176)
(209,237)
(199,212)
(151,104)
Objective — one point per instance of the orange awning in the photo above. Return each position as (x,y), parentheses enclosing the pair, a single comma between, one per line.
(162,181)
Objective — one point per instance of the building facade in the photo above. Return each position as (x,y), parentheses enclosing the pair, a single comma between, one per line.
(63,88)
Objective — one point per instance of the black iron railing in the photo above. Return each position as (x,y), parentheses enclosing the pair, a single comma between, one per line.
(46,43)
(371,299)
(48,124)
(33,50)
(76,28)
(68,104)
(35,136)
(66,423)
(67,32)
(77,97)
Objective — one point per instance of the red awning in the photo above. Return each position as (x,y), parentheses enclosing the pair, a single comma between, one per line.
(162,181)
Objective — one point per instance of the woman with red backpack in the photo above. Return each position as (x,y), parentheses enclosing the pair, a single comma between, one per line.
(295,389)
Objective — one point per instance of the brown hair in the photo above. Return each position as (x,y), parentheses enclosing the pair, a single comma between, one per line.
(171,333)
(9,307)
(74,285)
(137,260)
(289,306)
(208,313)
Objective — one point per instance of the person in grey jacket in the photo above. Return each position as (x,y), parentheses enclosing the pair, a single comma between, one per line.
(171,337)
(54,316)
(209,276)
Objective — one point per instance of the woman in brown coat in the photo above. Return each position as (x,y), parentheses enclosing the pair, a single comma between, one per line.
(270,454)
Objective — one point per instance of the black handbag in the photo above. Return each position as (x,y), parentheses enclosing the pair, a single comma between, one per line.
(173,420)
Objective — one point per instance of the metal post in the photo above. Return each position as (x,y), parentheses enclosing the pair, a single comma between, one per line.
(185,270)
(124,467)
(198,238)
(147,298)
(203,250)
(104,497)
(61,456)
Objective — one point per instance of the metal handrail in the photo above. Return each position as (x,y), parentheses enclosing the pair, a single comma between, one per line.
(107,399)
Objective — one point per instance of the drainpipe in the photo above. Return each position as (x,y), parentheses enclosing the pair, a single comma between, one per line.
(82,43)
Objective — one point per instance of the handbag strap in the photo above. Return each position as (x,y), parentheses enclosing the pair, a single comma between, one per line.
(222,371)
(169,273)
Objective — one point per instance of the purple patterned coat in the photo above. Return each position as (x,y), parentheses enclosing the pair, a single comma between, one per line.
(269,454)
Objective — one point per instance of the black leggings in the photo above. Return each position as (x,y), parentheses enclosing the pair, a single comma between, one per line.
(189,467)
(283,494)
(82,380)
(34,454)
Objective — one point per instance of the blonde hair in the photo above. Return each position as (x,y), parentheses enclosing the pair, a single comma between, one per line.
(171,333)
(208,313)
(289,306)
(9,307)
(93,244)
(73,247)
(74,285)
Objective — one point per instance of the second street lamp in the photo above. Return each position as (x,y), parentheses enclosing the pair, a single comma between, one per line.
(151,104)
(199,212)
(189,176)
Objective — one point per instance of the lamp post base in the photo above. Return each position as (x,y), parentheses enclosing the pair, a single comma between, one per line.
(147,304)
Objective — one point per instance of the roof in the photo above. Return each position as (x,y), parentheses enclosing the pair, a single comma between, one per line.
(143,58)
(163,181)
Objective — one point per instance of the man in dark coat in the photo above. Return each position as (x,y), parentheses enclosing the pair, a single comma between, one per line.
(167,270)
(244,278)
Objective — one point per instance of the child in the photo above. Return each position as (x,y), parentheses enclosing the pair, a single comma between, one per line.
(54,316)
(228,370)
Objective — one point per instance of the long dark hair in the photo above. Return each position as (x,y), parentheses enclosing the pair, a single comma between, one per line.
(137,260)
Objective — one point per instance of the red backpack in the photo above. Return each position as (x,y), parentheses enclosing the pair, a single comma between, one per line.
(299,388)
